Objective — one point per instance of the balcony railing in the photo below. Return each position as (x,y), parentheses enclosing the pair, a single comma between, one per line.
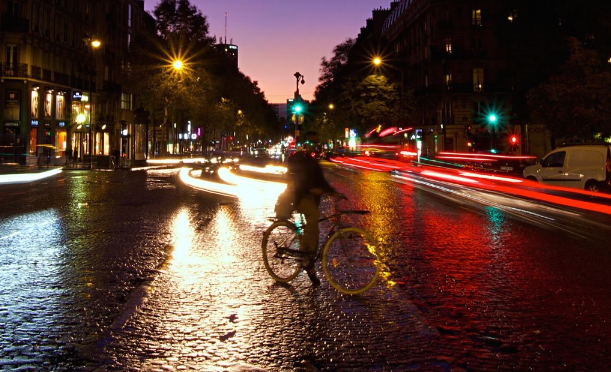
(36,72)
(14,70)
(12,24)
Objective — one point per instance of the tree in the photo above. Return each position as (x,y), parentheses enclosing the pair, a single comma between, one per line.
(332,69)
(178,20)
(207,91)
(364,96)
(577,101)
(535,39)
(375,100)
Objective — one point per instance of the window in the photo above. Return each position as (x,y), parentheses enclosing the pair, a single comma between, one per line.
(478,107)
(554,160)
(126,101)
(11,55)
(477,43)
(448,80)
(513,15)
(13,8)
(448,113)
(35,19)
(129,15)
(45,22)
(448,45)
(33,141)
(129,39)
(478,79)
(476,17)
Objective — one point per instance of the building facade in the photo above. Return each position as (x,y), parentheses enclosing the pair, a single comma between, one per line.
(450,56)
(61,91)
(230,51)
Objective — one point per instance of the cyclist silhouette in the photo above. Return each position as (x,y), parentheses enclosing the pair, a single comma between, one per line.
(308,185)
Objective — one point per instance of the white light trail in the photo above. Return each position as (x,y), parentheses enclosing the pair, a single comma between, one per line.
(27,177)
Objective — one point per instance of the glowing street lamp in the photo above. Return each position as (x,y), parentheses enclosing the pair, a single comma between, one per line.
(377,61)
(177,64)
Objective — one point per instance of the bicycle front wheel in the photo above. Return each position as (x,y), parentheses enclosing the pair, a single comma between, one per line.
(349,260)
(280,243)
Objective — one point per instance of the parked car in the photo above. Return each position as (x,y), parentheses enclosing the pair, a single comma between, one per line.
(586,167)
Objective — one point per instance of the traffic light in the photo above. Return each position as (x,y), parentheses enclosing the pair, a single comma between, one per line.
(492,118)
(513,140)
(297,108)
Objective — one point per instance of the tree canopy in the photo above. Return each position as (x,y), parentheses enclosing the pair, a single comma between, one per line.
(556,54)
(363,96)
(577,100)
(206,89)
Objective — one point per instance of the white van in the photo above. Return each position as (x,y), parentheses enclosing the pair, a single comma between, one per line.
(585,167)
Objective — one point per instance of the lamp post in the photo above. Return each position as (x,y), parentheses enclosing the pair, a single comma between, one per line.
(492,118)
(296,103)
(177,66)
(377,62)
(95,44)
(80,119)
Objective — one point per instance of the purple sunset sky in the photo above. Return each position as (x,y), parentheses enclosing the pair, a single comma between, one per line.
(277,38)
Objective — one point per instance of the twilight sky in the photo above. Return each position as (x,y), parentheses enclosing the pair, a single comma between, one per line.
(277,38)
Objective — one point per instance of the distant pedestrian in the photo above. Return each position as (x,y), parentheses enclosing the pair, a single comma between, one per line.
(75,156)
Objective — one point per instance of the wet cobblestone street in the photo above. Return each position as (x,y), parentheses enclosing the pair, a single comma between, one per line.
(122,271)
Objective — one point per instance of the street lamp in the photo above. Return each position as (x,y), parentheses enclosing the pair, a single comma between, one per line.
(95,44)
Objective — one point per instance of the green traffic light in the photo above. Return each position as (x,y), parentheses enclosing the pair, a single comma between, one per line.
(492,118)
(297,108)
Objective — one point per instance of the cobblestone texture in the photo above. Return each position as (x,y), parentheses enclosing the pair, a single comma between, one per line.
(120,271)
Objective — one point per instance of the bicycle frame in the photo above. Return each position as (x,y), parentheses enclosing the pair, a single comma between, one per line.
(341,249)
(336,223)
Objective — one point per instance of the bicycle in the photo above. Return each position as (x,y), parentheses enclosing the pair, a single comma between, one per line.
(348,254)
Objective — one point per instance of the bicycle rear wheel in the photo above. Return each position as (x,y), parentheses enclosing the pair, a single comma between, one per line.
(280,244)
(350,262)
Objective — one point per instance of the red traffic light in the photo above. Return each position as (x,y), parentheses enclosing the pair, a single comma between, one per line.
(513,139)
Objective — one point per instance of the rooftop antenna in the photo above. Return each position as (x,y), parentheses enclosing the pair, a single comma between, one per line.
(225,27)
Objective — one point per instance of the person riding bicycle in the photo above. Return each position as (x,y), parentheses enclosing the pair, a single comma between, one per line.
(308,184)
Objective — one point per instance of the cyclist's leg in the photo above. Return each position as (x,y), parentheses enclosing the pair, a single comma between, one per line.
(309,208)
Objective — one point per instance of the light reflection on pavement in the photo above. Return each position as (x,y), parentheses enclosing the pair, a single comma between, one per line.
(477,289)
(214,307)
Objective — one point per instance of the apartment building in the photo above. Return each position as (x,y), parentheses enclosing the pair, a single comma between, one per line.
(450,56)
(61,77)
